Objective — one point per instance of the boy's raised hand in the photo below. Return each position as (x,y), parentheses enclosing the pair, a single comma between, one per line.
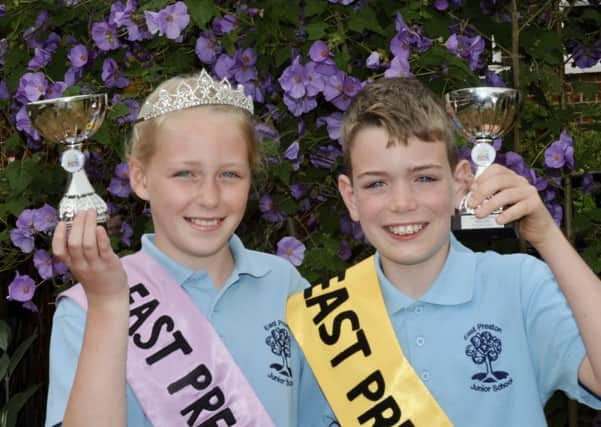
(499,186)
(86,249)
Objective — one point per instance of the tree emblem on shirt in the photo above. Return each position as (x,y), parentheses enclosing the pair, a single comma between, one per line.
(485,348)
(279,341)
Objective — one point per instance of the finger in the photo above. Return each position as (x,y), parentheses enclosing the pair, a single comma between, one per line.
(104,244)
(59,243)
(75,238)
(89,244)
(485,189)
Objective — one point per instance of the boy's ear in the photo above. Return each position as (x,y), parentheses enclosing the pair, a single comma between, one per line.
(137,179)
(463,178)
(345,186)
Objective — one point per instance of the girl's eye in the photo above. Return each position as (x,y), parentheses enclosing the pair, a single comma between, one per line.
(374,184)
(231,174)
(182,174)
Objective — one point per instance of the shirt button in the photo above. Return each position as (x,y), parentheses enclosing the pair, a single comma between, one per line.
(420,341)
(425,375)
(419,309)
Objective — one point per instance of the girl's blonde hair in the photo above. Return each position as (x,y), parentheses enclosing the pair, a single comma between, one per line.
(141,145)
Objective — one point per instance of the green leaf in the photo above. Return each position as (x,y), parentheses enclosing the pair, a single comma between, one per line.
(118,110)
(4,362)
(5,335)
(342,59)
(282,171)
(201,11)
(15,404)
(316,30)
(315,7)
(72,91)
(20,175)
(19,353)
(16,205)
(365,19)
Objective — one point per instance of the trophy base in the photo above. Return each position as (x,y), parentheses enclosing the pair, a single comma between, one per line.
(470,227)
(70,205)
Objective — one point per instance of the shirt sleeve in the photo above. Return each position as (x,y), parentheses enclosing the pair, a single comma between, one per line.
(556,346)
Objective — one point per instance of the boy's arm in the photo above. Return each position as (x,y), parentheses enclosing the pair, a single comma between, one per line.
(97,397)
(581,287)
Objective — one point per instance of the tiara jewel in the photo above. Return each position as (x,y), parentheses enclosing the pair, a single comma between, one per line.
(205,91)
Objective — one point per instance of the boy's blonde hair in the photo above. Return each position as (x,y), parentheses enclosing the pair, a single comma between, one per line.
(403,107)
(142,143)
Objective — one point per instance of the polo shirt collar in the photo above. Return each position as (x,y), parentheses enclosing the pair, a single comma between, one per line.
(246,261)
(454,284)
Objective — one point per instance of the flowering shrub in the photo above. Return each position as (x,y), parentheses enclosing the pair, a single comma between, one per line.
(303,62)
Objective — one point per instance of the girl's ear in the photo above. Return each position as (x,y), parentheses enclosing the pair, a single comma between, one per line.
(138,179)
(463,178)
(345,187)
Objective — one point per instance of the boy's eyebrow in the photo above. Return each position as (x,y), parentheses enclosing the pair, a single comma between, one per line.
(413,169)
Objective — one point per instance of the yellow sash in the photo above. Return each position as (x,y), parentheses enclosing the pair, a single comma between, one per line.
(346,335)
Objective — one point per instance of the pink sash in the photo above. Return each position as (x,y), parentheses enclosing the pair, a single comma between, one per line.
(178,367)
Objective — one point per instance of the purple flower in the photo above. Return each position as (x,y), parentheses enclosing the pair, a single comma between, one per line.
(344,251)
(291,249)
(539,182)
(322,57)
(207,48)
(105,36)
(243,68)
(44,219)
(4,93)
(119,187)
(325,156)
(55,90)
(126,234)
(468,48)
(270,212)
(121,14)
(561,152)
(493,79)
(43,263)
(298,190)
(72,76)
(22,239)
(339,89)
(122,171)
(440,4)
(25,221)
(21,288)
(342,2)
(399,67)
(291,152)
(589,184)
(23,123)
(515,162)
(223,25)
(2,10)
(293,79)
(173,19)
(78,55)
(41,58)
(111,75)
(298,107)
(223,66)
(32,86)
(373,61)
(134,109)
(263,131)
(334,125)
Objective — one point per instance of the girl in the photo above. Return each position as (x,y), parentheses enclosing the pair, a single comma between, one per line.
(190,330)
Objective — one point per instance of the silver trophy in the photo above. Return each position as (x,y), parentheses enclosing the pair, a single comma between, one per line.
(70,121)
(481,114)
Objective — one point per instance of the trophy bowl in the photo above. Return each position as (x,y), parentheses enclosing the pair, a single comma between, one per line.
(70,121)
(481,114)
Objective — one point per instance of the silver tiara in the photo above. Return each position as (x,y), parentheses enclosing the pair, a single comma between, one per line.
(205,91)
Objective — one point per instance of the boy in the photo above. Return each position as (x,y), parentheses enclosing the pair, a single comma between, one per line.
(427,332)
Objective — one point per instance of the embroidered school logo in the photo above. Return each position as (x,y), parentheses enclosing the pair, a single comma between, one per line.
(279,342)
(484,349)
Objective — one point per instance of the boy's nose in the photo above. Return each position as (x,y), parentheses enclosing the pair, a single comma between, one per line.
(402,199)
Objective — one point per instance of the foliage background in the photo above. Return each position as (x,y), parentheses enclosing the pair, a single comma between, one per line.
(302,60)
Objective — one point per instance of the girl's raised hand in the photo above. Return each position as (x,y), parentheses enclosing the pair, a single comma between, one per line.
(86,249)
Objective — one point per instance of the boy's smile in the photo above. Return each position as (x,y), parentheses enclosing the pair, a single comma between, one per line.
(403,196)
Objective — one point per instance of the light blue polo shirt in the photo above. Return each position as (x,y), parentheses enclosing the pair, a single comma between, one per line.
(249,308)
(492,338)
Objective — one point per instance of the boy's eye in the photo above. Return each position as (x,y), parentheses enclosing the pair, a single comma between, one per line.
(426,179)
